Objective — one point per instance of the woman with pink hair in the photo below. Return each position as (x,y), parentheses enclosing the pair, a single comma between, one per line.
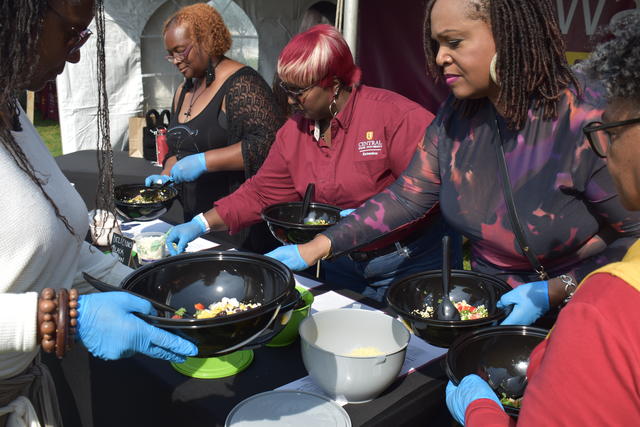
(351,141)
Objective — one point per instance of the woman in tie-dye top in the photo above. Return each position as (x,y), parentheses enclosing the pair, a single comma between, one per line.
(563,194)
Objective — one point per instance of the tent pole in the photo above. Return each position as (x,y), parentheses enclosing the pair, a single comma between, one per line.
(350,24)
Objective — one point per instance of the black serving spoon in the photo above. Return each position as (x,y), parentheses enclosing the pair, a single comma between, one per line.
(446,310)
(157,186)
(105,287)
(308,195)
(513,387)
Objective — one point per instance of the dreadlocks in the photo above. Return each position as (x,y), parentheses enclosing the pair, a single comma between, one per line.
(20,28)
(531,67)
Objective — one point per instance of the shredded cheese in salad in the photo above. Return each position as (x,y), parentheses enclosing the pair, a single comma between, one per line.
(224,307)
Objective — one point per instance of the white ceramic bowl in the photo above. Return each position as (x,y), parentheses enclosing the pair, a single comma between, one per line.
(330,338)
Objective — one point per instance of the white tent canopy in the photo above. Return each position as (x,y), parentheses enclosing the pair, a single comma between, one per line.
(139,77)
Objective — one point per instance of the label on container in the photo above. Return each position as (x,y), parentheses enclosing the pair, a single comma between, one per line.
(122,247)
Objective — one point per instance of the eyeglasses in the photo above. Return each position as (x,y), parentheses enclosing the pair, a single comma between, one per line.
(179,56)
(599,136)
(295,92)
(79,37)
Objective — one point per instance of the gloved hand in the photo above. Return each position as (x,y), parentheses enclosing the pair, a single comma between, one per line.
(289,255)
(156,179)
(189,168)
(531,301)
(346,212)
(471,388)
(184,233)
(109,330)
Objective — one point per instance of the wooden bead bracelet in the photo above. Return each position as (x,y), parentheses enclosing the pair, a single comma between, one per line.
(57,319)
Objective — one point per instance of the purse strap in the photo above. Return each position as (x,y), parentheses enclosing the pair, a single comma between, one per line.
(525,247)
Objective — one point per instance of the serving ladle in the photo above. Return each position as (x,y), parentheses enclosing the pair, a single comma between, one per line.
(502,383)
(446,310)
(308,195)
(105,287)
(513,387)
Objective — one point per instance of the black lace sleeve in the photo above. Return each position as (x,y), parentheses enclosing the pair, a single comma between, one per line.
(253,117)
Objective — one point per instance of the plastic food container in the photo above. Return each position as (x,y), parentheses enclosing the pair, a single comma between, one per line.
(290,332)
(102,225)
(150,246)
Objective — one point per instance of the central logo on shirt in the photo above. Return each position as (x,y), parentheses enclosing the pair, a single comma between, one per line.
(370,146)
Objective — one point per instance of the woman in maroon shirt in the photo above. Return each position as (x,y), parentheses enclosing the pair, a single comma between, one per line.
(351,141)
(587,371)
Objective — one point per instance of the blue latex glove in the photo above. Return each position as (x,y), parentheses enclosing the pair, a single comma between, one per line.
(289,255)
(531,301)
(109,330)
(189,169)
(156,179)
(471,388)
(184,233)
(346,212)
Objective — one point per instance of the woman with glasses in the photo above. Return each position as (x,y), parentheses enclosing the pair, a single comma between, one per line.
(223,120)
(587,371)
(42,251)
(351,141)
(512,125)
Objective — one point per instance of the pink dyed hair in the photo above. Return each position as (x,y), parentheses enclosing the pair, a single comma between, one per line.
(316,56)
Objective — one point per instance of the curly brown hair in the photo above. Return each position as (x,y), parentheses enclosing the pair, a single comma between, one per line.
(206,26)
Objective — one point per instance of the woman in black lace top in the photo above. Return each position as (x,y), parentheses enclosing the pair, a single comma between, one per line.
(223,122)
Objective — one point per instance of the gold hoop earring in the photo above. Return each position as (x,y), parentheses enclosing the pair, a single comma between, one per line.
(492,69)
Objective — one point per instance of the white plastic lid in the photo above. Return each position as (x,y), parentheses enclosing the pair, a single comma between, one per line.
(284,408)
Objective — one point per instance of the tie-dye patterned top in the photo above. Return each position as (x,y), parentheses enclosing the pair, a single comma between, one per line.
(565,199)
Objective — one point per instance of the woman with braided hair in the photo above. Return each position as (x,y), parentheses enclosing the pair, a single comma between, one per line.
(42,251)
(513,92)
(586,372)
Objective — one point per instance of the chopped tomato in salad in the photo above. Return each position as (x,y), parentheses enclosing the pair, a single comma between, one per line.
(469,312)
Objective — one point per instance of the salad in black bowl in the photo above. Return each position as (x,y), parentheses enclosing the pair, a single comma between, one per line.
(209,279)
(499,355)
(140,203)
(416,298)
(283,221)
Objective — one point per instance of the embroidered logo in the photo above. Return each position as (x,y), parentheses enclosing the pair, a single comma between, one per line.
(370,146)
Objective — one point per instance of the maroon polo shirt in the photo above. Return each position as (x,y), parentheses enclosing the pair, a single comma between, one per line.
(373,138)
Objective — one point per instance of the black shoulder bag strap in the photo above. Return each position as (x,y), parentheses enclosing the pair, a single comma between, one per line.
(511,207)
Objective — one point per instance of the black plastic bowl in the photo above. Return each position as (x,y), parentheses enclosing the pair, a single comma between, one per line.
(495,354)
(143,211)
(418,291)
(207,277)
(282,219)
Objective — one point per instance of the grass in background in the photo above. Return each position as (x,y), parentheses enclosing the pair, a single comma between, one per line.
(49,130)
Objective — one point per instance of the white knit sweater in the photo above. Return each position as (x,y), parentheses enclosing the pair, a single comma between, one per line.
(36,250)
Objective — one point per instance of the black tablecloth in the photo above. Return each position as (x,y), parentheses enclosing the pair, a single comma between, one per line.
(145,392)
